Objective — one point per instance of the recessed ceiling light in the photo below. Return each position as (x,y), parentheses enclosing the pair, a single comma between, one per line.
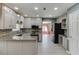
(6,8)
(37,15)
(55,8)
(18,15)
(36,8)
(16,8)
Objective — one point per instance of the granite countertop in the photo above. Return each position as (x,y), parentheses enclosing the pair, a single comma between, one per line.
(3,33)
(12,36)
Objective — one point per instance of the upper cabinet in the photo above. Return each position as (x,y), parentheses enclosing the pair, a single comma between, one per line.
(63,23)
(9,18)
(6,17)
(28,22)
(36,21)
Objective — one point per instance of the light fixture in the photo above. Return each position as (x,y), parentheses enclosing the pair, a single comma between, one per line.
(37,15)
(16,8)
(55,8)
(36,8)
(18,15)
(6,8)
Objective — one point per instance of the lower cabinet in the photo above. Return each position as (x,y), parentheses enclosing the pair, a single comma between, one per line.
(63,41)
(15,47)
(73,46)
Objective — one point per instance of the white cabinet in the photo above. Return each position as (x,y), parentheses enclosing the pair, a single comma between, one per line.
(13,21)
(6,17)
(9,18)
(13,47)
(36,21)
(65,42)
(74,32)
(28,22)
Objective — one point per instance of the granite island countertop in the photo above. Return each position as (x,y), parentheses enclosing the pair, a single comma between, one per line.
(13,36)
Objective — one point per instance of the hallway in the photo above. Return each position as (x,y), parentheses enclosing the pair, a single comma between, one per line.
(47,47)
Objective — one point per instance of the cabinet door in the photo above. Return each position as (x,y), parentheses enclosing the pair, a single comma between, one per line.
(7,21)
(65,42)
(78,32)
(27,23)
(14,20)
(73,31)
(14,47)
(29,48)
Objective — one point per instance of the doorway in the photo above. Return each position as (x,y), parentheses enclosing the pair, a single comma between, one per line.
(46,32)
(46,27)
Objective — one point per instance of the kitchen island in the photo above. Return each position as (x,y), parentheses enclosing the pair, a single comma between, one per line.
(11,44)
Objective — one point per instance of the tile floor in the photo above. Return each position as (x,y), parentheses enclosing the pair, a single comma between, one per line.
(47,47)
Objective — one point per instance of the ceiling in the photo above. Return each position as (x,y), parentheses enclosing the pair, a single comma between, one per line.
(28,9)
